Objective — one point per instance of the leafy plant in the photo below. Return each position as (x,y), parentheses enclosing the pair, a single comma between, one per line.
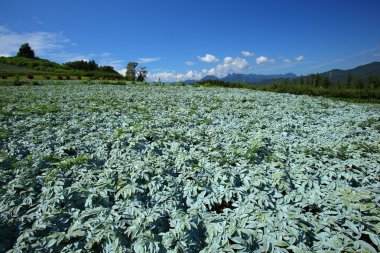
(140,168)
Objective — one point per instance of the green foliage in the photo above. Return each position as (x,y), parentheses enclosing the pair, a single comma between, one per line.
(141,168)
(18,82)
(108,69)
(26,51)
(220,83)
(35,65)
(83,65)
(361,94)
(131,71)
(26,66)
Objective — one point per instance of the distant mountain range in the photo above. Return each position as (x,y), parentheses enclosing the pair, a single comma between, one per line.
(247,78)
(335,75)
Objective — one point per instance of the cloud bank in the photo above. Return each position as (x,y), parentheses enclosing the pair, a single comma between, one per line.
(229,65)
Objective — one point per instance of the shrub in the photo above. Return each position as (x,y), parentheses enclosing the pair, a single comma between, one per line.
(4,76)
(18,82)
(30,76)
(35,83)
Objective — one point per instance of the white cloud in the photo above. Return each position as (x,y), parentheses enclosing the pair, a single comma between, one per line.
(228,60)
(229,65)
(122,71)
(287,61)
(172,76)
(300,58)
(263,59)
(208,58)
(189,63)
(247,53)
(147,60)
(41,42)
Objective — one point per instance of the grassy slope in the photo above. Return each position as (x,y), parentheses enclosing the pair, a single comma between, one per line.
(12,68)
(24,66)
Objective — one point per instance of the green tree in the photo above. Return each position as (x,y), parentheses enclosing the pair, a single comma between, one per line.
(107,69)
(360,84)
(326,83)
(373,82)
(26,51)
(141,74)
(131,71)
(350,80)
(83,65)
(302,81)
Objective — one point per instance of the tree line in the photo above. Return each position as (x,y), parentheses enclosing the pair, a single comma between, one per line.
(354,89)
(352,82)
(90,67)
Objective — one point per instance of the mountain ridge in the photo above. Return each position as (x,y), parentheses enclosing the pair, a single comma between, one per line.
(335,75)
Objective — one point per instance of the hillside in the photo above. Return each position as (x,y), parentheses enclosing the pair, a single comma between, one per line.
(247,78)
(12,68)
(255,78)
(209,77)
(360,72)
(24,66)
(32,64)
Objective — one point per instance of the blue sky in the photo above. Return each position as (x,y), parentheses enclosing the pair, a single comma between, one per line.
(187,39)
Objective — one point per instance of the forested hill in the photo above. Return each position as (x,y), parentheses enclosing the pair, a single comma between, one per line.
(362,72)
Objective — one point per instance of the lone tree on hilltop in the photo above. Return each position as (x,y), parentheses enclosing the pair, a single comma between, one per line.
(26,51)
(131,71)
